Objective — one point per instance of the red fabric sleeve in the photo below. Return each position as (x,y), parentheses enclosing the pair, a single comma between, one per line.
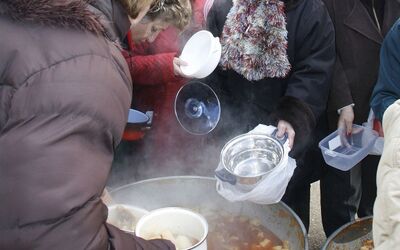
(152,69)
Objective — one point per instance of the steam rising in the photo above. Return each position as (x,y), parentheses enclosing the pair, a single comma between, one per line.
(165,151)
(168,150)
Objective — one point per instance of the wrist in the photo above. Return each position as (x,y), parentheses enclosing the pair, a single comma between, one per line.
(345,107)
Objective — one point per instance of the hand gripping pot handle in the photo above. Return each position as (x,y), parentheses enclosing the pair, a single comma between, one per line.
(282,139)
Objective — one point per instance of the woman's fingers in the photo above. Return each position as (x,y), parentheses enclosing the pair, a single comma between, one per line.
(286,127)
(177,63)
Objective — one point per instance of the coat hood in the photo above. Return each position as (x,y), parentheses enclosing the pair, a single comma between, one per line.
(73,14)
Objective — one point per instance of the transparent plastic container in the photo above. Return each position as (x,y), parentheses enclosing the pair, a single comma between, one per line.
(344,152)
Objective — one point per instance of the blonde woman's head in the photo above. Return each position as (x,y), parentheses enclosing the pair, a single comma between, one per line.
(174,12)
(134,7)
(160,16)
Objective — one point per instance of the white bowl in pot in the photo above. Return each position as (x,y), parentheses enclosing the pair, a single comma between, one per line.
(125,217)
(202,53)
(185,228)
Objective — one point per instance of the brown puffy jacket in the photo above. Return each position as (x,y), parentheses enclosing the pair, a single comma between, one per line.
(65,91)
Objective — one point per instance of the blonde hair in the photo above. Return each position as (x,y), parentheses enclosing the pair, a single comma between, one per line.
(176,12)
(133,7)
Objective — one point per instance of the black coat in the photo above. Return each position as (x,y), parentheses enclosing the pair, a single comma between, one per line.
(299,98)
(358,42)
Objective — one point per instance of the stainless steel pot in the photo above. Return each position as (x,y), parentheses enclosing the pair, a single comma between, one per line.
(351,235)
(199,193)
(247,158)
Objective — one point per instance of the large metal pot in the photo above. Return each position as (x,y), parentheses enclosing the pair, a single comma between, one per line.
(199,193)
(351,235)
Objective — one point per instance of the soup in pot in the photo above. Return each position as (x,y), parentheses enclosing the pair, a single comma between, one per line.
(227,232)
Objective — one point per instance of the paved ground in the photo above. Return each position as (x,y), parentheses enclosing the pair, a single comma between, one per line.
(316,234)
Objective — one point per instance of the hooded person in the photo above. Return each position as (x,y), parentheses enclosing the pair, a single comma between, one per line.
(65,91)
(276,62)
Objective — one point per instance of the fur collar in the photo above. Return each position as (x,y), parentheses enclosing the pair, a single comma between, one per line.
(254,39)
(58,13)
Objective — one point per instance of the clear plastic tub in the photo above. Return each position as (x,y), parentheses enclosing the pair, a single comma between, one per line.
(344,152)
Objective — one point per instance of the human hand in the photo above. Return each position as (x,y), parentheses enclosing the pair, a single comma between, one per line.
(177,63)
(346,119)
(286,127)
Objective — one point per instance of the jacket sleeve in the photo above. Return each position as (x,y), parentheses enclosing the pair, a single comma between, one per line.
(152,63)
(120,240)
(340,93)
(314,60)
(152,69)
(308,85)
(387,88)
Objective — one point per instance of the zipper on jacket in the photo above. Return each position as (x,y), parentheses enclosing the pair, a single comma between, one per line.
(376,17)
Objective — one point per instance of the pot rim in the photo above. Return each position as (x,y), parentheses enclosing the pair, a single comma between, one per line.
(342,228)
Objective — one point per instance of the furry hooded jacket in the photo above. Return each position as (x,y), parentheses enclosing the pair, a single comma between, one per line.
(65,90)
(277,64)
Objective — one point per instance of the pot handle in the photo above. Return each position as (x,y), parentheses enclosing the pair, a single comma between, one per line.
(225,176)
(283,139)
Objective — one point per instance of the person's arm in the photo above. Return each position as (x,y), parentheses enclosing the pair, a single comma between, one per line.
(152,69)
(308,85)
(340,98)
(387,88)
(153,63)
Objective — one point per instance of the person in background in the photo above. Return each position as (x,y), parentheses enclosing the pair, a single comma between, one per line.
(387,88)
(65,91)
(360,26)
(163,147)
(385,102)
(275,69)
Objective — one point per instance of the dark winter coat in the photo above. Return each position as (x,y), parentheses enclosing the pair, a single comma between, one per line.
(299,98)
(387,88)
(358,42)
(65,90)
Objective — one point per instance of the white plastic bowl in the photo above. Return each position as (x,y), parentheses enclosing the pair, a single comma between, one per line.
(178,221)
(202,53)
(133,216)
(344,152)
